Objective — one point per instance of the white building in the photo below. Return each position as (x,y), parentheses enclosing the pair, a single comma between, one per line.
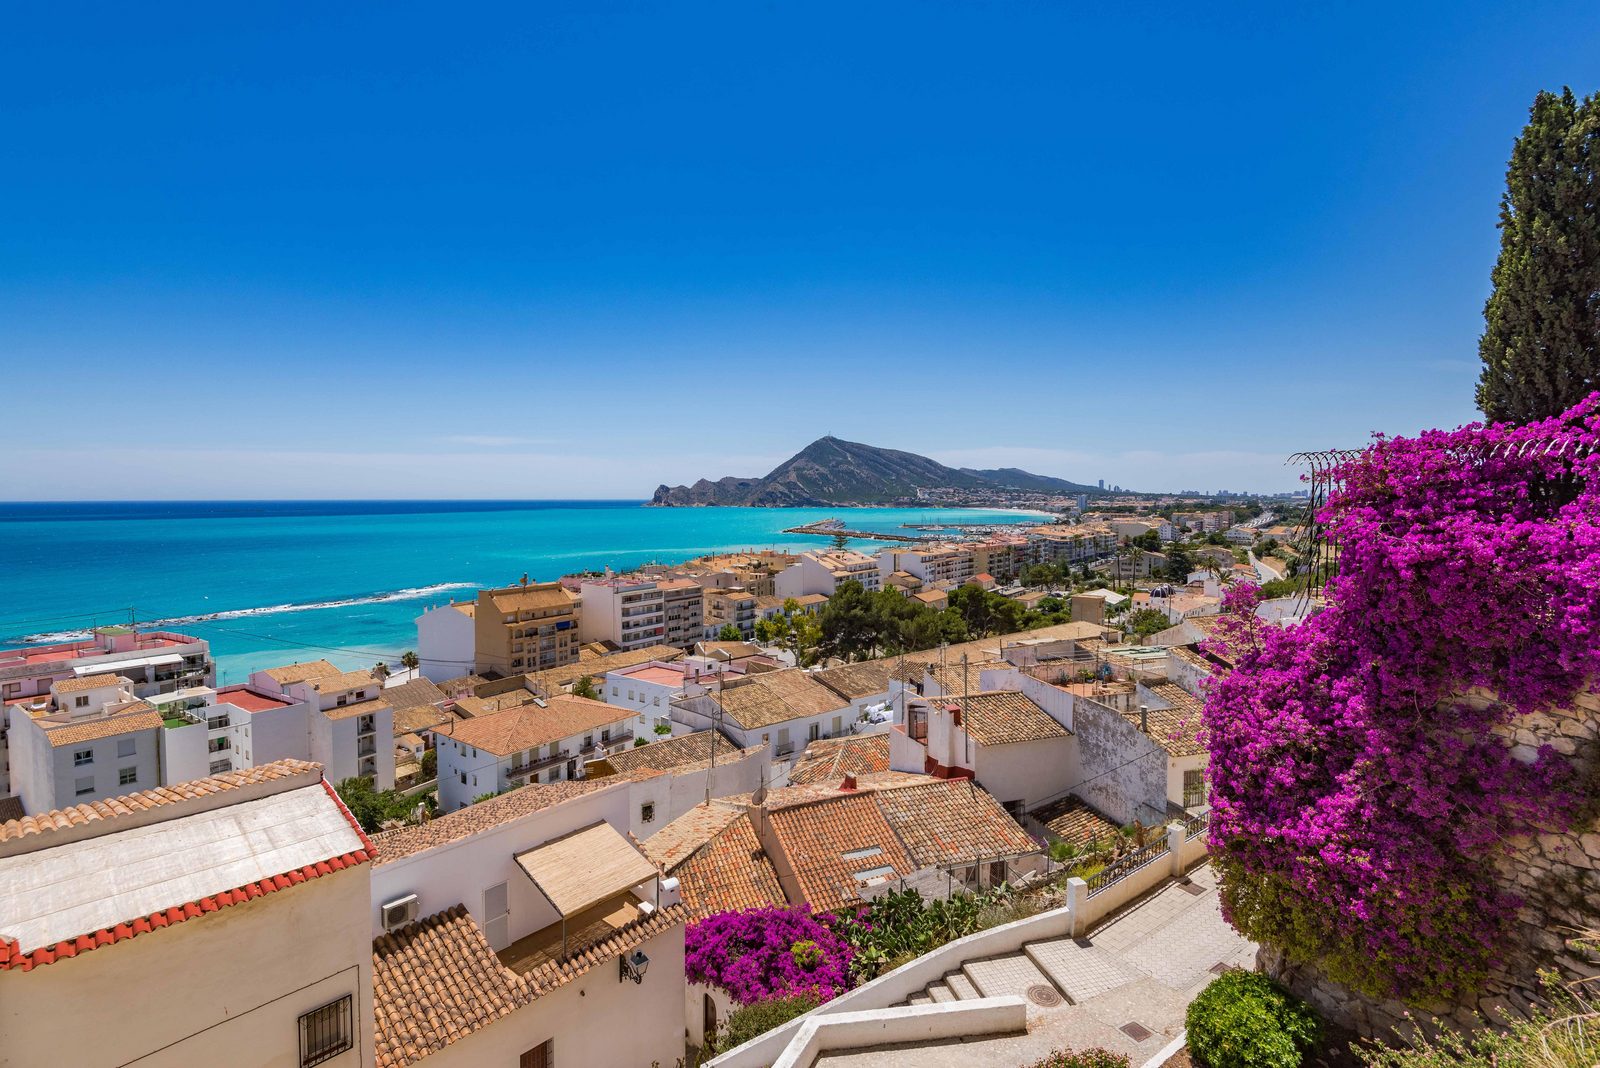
(822,571)
(636,612)
(87,740)
(648,690)
(263,866)
(526,931)
(542,740)
(446,641)
(782,710)
(349,722)
(935,565)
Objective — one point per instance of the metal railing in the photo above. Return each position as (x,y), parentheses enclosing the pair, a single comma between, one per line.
(1126,865)
(1195,826)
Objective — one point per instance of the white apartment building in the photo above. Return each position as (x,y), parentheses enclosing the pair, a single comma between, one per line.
(543,740)
(943,566)
(87,740)
(1060,543)
(565,938)
(822,571)
(263,866)
(732,606)
(446,640)
(647,690)
(349,723)
(636,612)
(780,710)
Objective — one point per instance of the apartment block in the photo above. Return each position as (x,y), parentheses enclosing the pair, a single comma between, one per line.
(537,740)
(822,571)
(734,606)
(635,612)
(943,566)
(1070,544)
(348,722)
(528,627)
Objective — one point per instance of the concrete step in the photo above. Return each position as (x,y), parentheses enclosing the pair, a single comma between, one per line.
(940,993)
(919,998)
(961,986)
(1012,973)
(1078,968)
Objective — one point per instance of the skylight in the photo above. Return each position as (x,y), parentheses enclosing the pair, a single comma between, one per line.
(862,854)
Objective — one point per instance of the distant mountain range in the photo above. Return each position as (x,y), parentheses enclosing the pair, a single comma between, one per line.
(834,472)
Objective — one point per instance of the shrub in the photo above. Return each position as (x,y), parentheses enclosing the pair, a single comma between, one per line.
(1245,1020)
(1082,1058)
(760,954)
(748,1022)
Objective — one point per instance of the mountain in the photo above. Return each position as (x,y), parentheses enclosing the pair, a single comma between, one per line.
(834,472)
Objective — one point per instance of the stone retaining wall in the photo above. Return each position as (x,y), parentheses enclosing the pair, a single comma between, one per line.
(1556,877)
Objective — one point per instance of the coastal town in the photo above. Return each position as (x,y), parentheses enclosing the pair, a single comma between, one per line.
(480,837)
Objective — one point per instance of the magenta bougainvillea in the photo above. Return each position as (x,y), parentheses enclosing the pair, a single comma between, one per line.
(1358,797)
(764,953)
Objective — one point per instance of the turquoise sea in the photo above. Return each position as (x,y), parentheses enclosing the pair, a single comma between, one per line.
(268,582)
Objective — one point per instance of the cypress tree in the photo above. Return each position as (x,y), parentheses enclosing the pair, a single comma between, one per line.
(1541,342)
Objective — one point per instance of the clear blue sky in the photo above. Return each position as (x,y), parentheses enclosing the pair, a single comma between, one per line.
(541,250)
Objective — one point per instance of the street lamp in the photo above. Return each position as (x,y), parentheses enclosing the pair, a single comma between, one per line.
(634,967)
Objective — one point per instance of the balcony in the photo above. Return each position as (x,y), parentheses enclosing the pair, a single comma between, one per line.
(517,771)
(367,748)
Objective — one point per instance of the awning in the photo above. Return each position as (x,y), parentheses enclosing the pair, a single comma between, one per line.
(584,868)
(143,661)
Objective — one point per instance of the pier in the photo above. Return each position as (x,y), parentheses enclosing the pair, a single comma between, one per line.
(824,530)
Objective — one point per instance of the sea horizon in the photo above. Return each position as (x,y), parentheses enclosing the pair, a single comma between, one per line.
(274,581)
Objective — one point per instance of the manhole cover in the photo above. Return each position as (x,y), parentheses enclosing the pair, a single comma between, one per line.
(1137,1032)
(1046,997)
(1193,888)
(1220,968)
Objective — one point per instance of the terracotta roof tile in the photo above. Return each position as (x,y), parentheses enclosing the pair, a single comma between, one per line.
(677,841)
(777,696)
(87,682)
(137,716)
(1003,717)
(830,760)
(951,821)
(856,681)
(828,844)
(463,823)
(523,727)
(311,669)
(344,680)
(1074,820)
(1176,728)
(667,754)
(729,872)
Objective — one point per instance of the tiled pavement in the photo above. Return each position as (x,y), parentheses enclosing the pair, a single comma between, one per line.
(1142,967)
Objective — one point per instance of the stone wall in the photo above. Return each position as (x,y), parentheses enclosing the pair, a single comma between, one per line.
(1556,877)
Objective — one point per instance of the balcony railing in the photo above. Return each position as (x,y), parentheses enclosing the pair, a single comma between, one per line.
(517,771)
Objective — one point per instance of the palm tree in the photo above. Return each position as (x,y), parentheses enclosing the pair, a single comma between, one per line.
(409,661)
(381,670)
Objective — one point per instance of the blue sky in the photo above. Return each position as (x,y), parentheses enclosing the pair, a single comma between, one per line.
(561,251)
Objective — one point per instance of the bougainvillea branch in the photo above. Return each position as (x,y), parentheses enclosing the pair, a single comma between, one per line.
(1359,789)
(764,953)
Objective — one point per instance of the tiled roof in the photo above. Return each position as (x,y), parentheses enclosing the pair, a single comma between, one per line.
(418,718)
(677,841)
(436,981)
(957,678)
(134,717)
(411,694)
(145,800)
(832,759)
(676,752)
(1002,717)
(817,836)
(554,680)
(532,598)
(504,733)
(87,682)
(1073,820)
(855,681)
(463,823)
(951,821)
(311,669)
(355,708)
(13,956)
(729,872)
(1174,729)
(345,680)
(777,696)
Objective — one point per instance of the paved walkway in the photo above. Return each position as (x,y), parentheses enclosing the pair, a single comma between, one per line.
(1140,968)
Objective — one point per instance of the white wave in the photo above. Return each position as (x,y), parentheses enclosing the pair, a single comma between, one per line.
(409,594)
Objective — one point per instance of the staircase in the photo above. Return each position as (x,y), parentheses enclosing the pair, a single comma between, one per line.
(1048,973)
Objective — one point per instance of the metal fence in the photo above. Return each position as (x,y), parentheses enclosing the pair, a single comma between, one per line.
(1126,865)
(1196,825)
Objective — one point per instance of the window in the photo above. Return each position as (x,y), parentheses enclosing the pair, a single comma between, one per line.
(84,786)
(80,757)
(541,1056)
(463,777)
(325,1032)
(127,776)
(11,689)
(647,812)
(1194,788)
(613,691)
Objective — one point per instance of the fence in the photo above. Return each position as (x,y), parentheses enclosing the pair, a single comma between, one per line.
(1196,825)
(1126,865)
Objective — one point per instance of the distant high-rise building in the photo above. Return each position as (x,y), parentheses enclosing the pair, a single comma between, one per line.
(1083,502)
(1102,483)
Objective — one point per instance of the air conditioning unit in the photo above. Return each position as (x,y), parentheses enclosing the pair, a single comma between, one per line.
(399,912)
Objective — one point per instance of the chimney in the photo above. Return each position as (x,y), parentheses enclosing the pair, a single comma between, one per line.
(849,783)
(1144,718)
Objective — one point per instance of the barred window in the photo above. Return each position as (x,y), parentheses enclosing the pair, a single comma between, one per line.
(325,1032)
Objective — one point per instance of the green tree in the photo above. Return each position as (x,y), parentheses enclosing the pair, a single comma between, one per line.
(1150,541)
(430,764)
(1541,338)
(370,806)
(409,661)
(584,687)
(729,633)
(1146,621)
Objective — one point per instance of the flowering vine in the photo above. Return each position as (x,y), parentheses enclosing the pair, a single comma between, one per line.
(1359,791)
(764,953)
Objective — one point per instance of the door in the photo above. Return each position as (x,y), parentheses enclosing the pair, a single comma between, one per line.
(814,732)
(783,741)
(708,1020)
(496,917)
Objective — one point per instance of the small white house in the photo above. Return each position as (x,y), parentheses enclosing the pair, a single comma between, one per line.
(543,741)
